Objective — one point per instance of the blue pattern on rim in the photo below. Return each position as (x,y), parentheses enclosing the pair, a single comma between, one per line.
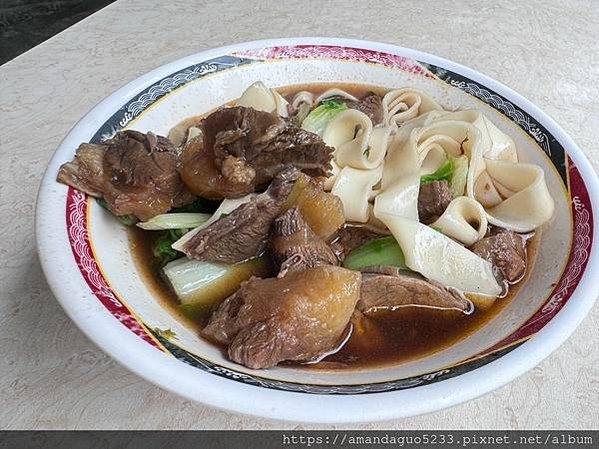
(166,85)
(380,387)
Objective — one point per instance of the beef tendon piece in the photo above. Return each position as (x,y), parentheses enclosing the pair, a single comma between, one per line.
(322,211)
(295,247)
(247,148)
(506,251)
(243,233)
(433,199)
(300,317)
(86,171)
(135,173)
(388,288)
(202,177)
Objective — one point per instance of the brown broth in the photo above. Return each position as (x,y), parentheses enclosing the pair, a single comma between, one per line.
(382,338)
(385,337)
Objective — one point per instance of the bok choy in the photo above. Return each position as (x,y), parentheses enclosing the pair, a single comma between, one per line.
(177,220)
(382,251)
(202,286)
(455,171)
(457,184)
(162,249)
(443,173)
(317,120)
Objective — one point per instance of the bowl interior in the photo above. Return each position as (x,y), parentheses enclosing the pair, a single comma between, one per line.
(118,279)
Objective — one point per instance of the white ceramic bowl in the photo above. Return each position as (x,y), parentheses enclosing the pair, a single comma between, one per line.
(87,261)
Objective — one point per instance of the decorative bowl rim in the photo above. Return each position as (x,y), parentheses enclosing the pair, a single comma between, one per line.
(160,368)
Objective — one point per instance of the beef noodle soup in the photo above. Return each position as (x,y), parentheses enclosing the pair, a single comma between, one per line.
(331,225)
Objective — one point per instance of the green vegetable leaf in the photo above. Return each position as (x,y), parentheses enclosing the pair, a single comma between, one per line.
(196,312)
(128,220)
(175,220)
(161,248)
(321,116)
(457,184)
(443,173)
(201,286)
(454,171)
(382,251)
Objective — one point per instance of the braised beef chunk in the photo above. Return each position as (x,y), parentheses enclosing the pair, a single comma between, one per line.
(301,317)
(293,146)
(86,171)
(371,105)
(237,132)
(433,199)
(248,148)
(202,177)
(295,247)
(506,250)
(134,172)
(243,233)
(390,288)
(322,210)
(349,238)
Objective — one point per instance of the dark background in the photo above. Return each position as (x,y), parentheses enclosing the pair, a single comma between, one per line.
(27,23)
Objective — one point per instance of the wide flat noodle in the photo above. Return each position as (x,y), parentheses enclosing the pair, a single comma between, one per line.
(514,195)
(486,192)
(357,144)
(401,160)
(425,137)
(441,259)
(303,97)
(494,175)
(531,204)
(354,186)
(426,148)
(464,220)
(261,98)
(427,251)
(399,199)
(349,132)
(335,92)
(495,143)
(401,105)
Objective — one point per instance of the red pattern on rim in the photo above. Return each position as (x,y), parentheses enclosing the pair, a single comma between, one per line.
(335,52)
(76,217)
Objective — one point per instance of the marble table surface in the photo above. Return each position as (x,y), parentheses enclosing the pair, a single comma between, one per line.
(52,377)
